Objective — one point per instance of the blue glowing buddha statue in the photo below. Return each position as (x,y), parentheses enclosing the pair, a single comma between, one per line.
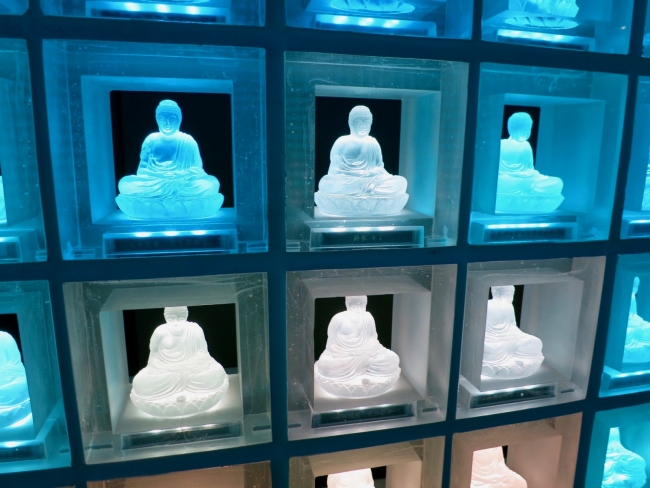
(170,183)
(637,338)
(623,468)
(544,14)
(14,395)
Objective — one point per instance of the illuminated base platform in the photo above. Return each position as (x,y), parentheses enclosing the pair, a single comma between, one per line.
(502,228)
(19,245)
(212,12)
(46,445)
(616,380)
(635,224)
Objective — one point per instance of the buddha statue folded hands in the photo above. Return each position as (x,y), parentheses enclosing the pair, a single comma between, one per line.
(14,394)
(489,470)
(360,478)
(170,182)
(357,185)
(354,363)
(623,468)
(637,337)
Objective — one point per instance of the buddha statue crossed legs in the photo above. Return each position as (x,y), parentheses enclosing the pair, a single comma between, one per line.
(637,338)
(623,468)
(360,478)
(489,470)
(14,394)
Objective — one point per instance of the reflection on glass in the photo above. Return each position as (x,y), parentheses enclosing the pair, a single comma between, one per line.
(361,478)
(637,338)
(489,470)
(14,395)
(623,468)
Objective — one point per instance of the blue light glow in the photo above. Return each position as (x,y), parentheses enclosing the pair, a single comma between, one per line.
(351,20)
(162,8)
(519,226)
(540,36)
(132,7)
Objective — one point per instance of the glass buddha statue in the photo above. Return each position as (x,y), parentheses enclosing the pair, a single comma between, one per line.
(376,6)
(489,470)
(354,363)
(521,189)
(508,352)
(623,468)
(14,394)
(170,183)
(545,14)
(357,185)
(181,379)
(360,478)
(637,338)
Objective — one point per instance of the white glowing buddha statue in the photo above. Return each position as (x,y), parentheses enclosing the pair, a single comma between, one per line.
(14,394)
(489,470)
(354,363)
(376,6)
(360,478)
(357,183)
(623,468)
(508,352)
(521,189)
(181,378)
(546,14)
(170,182)
(637,338)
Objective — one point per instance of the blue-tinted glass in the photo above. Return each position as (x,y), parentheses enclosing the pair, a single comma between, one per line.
(15,7)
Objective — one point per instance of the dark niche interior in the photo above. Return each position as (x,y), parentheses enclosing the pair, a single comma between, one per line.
(9,324)
(517,302)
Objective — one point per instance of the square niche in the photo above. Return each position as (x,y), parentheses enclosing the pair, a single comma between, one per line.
(425,134)
(556,301)
(256,475)
(232,310)
(596,25)
(95,139)
(420,18)
(13,7)
(543,452)
(413,311)
(22,237)
(414,464)
(36,440)
(578,128)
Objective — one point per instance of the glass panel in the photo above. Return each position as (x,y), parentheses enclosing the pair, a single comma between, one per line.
(16,7)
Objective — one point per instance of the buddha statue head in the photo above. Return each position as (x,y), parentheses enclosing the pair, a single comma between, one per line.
(176,315)
(360,121)
(635,285)
(168,116)
(505,293)
(519,126)
(360,478)
(356,303)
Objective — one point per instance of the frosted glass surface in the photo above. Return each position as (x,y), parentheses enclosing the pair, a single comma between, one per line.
(82,75)
(15,7)
(597,25)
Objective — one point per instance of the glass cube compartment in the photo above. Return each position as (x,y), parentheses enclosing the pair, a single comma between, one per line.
(421,18)
(577,123)
(595,25)
(413,464)
(96,95)
(37,437)
(22,237)
(419,120)
(413,310)
(110,325)
(555,301)
(13,7)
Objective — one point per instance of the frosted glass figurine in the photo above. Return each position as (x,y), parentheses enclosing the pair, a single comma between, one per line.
(521,189)
(181,379)
(361,478)
(508,352)
(489,470)
(357,185)
(623,468)
(3,207)
(637,338)
(354,363)
(170,182)
(14,395)
(377,6)
(547,14)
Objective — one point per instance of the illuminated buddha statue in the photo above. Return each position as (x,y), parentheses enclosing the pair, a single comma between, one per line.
(14,395)
(3,207)
(508,352)
(354,363)
(361,478)
(546,14)
(376,6)
(637,338)
(623,468)
(521,189)
(170,182)
(489,470)
(645,204)
(357,183)
(181,379)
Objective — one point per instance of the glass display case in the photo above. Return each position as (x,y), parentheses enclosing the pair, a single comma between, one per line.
(528,333)
(22,237)
(33,432)
(115,196)
(547,152)
(422,18)
(13,7)
(396,374)
(150,383)
(411,464)
(542,452)
(403,189)
(597,25)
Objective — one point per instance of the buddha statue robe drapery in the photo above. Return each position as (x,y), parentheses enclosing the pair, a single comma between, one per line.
(489,470)
(623,468)
(14,394)
(637,337)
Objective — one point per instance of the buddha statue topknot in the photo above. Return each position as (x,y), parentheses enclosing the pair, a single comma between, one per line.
(508,352)
(170,183)
(357,185)
(354,363)
(489,470)
(181,379)
(360,478)
(521,189)
(14,394)
(623,468)
(637,338)
(376,6)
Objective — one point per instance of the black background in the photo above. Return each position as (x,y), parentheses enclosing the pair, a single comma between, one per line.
(219,324)
(377,474)
(9,323)
(516,302)
(207,117)
(534,113)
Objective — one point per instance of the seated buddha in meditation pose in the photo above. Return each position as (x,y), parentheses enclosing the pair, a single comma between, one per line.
(637,338)
(354,363)
(14,395)
(489,470)
(623,468)
(360,478)
(170,182)
(357,183)
(508,352)
(181,378)
(521,189)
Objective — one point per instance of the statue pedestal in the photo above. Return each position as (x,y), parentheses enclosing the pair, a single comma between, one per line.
(20,244)
(635,224)
(209,12)
(504,228)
